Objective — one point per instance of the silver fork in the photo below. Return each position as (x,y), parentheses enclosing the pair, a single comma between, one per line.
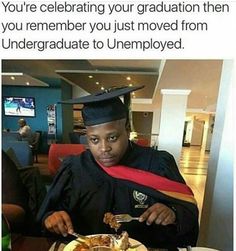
(80,236)
(125,218)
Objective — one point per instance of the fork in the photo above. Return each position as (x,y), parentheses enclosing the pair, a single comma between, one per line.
(125,218)
(79,236)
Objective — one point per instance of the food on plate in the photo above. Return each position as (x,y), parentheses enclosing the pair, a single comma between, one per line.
(110,219)
(94,241)
(121,241)
(115,242)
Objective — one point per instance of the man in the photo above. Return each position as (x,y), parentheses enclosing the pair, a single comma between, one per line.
(25,131)
(118,176)
(18,108)
(22,194)
(14,195)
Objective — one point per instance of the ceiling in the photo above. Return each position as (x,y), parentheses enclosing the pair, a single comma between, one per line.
(202,77)
(19,79)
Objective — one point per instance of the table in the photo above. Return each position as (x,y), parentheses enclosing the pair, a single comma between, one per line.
(29,243)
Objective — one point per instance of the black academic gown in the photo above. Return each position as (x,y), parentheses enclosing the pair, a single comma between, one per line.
(86,192)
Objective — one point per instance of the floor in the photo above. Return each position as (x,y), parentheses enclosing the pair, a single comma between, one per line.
(193,166)
(43,164)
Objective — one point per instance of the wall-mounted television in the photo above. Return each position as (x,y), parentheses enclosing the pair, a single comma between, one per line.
(19,106)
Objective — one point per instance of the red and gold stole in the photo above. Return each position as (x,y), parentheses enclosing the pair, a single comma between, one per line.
(166,186)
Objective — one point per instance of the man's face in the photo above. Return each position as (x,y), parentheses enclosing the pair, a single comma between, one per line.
(21,124)
(108,142)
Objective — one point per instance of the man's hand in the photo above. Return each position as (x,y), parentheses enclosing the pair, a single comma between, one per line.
(59,222)
(158,213)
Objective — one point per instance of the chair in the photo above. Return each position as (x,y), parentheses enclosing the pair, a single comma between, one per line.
(11,136)
(57,152)
(35,145)
(143,142)
(20,151)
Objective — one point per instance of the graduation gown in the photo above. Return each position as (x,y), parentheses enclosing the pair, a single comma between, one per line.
(86,193)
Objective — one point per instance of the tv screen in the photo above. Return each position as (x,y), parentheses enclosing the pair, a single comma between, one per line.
(19,106)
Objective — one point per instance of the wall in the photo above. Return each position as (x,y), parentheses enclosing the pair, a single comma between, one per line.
(198,136)
(189,128)
(156,121)
(143,122)
(216,229)
(44,96)
(210,132)
(197,132)
(172,121)
(67,112)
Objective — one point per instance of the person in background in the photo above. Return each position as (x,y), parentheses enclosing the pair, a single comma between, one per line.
(118,176)
(25,131)
(18,108)
(14,195)
(22,194)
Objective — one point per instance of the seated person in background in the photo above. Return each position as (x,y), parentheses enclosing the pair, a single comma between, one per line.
(25,131)
(14,195)
(22,194)
(118,176)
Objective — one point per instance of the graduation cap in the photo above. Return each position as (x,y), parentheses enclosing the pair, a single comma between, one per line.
(104,106)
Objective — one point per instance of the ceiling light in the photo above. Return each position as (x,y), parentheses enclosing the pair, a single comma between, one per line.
(12,74)
(102,88)
(90,76)
(130,85)
(97,83)
(27,83)
(12,78)
(128,78)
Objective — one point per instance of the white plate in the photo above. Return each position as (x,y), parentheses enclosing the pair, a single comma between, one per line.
(199,249)
(71,246)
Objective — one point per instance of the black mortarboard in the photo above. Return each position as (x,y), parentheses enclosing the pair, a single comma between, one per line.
(104,106)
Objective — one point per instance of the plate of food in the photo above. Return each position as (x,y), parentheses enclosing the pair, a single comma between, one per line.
(105,242)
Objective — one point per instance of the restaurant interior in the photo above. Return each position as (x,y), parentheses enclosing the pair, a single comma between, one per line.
(184,108)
